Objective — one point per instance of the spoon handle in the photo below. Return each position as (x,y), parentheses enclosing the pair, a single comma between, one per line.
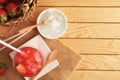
(30,28)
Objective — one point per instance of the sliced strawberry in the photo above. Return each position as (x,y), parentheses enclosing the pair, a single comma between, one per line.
(2,68)
(11,9)
(3,15)
(21,69)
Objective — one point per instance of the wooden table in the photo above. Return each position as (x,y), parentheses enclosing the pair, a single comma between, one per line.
(93,32)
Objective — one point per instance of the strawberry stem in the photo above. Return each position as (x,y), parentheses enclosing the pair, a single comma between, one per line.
(2,65)
(3,19)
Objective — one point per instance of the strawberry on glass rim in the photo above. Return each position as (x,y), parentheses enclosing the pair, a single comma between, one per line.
(29,62)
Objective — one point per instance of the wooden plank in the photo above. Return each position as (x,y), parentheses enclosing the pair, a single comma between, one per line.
(96,75)
(93,46)
(85,30)
(78,14)
(78,3)
(100,62)
(15,29)
(4,30)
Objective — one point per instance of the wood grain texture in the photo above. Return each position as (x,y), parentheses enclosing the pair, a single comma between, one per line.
(83,30)
(3,30)
(92,30)
(96,75)
(78,30)
(15,29)
(93,46)
(90,19)
(78,3)
(100,62)
(77,14)
(10,72)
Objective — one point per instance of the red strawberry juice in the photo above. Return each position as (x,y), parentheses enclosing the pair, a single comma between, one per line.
(29,62)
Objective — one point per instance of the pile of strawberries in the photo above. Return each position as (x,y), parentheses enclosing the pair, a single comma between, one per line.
(9,9)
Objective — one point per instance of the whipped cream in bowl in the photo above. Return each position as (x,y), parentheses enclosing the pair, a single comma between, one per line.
(55,23)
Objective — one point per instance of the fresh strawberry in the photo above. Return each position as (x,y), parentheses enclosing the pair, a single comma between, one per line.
(2,68)
(1,7)
(17,1)
(3,1)
(3,15)
(21,69)
(11,9)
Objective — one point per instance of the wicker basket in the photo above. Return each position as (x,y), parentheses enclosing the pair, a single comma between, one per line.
(27,8)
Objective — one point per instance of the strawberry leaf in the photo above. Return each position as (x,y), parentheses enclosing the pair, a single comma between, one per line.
(3,19)
(2,65)
(12,14)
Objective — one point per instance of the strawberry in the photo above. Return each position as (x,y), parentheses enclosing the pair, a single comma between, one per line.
(1,7)
(17,1)
(3,1)
(21,69)
(3,15)
(2,68)
(11,9)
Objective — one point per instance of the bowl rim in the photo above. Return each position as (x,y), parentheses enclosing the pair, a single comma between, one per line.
(66,23)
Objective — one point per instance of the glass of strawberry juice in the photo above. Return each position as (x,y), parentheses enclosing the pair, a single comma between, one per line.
(29,62)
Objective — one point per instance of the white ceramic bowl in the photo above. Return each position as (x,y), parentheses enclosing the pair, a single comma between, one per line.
(58,26)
